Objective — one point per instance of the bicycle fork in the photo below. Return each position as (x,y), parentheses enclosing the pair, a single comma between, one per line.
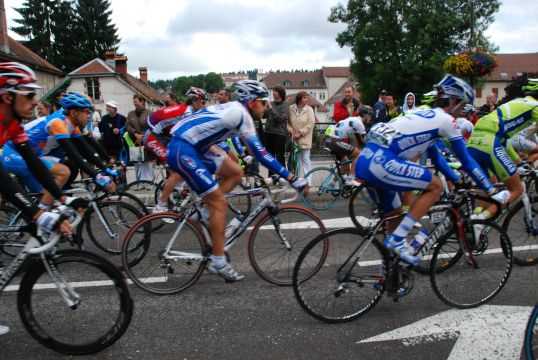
(276,222)
(529,219)
(64,289)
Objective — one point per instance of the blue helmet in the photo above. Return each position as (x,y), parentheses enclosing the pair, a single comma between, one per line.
(245,90)
(455,88)
(73,100)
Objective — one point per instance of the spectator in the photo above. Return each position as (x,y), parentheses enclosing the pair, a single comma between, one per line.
(489,106)
(223,96)
(110,127)
(392,110)
(137,124)
(346,107)
(44,108)
(171,99)
(409,103)
(277,115)
(300,127)
(380,109)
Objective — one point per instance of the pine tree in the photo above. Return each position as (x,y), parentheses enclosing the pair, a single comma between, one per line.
(99,33)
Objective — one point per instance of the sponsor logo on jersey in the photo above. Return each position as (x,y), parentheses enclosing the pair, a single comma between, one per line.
(397,168)
(201,174)
(379,159)
(505,160)
(188,161)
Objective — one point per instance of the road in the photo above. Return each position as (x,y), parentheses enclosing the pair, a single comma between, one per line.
(254,319)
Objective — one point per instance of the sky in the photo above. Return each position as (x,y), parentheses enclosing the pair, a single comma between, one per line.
(188,37)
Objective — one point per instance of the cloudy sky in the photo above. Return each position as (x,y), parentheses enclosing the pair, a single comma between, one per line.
(185,37)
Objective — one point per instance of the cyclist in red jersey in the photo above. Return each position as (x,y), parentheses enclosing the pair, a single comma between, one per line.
(17,101)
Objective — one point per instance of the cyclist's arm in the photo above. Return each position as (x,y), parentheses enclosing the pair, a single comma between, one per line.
(16,195)
(72,152)
(238,146)
(38,169)
(267,160)
(438,160)
(469,164)
(88,152)
(97,148)
(512,152)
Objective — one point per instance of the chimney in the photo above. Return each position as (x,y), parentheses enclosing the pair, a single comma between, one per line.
(143,74)
(121,66)
(4,38)
(110,57)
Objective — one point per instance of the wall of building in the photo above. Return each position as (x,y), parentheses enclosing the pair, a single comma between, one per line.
(333,84)
(47,81)
(490,87)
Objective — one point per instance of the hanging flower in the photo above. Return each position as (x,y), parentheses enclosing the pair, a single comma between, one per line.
(475,63)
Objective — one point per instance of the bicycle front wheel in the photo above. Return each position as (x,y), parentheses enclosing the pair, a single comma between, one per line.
(362,208)
(531,335)
(324,188)
(101,307)
(349,283)
(172,258)
(464,281)
(277,240)
(523,233)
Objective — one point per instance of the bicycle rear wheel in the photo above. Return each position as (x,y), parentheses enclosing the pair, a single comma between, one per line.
(273,254)
(522,233)
(462,284)
(531,335)
(362,208)
(145,190)
(351,280)
(95,322)
(11,243)
(154,269)
(324,190)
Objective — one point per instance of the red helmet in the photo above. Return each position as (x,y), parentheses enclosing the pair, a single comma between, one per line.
(195,93)
(14,74)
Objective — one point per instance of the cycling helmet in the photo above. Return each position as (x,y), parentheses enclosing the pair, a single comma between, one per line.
(468,108)
(195,93)
(245,90)
(531,87)
(429,98)
(14,74)
(452,87)
(365,109)
(73,100)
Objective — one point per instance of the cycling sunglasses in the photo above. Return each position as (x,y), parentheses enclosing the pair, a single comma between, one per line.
(30,94)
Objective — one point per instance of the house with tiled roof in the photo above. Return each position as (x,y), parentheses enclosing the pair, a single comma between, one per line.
(105,80)
(47,74)
(510,65)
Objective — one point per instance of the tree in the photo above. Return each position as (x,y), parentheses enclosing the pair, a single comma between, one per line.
(400,45)
(211,82)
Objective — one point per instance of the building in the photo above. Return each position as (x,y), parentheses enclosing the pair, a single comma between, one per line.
(510,65)
(229,79)
(109,80)
(48,75)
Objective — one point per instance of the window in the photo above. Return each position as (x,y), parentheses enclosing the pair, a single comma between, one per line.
(313,94)
(287,83)
(496,92)
(478,93)
(322,95)
(92,88)
(503,74)
(519,74)
(305,83)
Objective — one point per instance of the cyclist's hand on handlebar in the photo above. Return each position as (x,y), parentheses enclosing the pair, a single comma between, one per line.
(247,159)
(51,221)
(105,182)
(112,172)
(524,168)
(80,204)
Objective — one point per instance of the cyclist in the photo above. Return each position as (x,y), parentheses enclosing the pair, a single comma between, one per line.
(487,144)
(343,130)
(525,142)
(384,164)
(53,138)
(189,154)
(17,101)
(157,137)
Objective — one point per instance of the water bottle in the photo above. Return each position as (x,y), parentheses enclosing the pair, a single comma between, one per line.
(232,225)
(419,240)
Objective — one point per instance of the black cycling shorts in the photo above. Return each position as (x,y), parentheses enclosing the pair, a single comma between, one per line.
(339,148)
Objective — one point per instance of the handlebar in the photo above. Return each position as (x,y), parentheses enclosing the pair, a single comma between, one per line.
(270,181)
(65,213)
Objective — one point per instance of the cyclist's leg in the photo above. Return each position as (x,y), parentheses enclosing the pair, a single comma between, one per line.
(59,172)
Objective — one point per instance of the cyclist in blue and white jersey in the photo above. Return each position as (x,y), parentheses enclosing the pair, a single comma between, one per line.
(385,161)
(189,154)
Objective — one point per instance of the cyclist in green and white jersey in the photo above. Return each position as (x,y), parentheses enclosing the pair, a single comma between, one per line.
(525,143)
(491,132)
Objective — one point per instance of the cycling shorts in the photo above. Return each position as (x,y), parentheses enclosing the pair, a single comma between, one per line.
(197,169)
(382,170)
(156,144)
(15,164)
(486,148)
(339,148)
(522,144)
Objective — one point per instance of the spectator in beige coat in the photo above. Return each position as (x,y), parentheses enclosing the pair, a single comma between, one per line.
(300,126)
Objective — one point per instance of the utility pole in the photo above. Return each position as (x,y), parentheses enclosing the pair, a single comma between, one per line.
(471,37)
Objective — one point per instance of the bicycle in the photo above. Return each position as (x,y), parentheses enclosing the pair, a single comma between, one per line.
(358,269)
(84,283)
(531,335)
(327,186)
(168,264)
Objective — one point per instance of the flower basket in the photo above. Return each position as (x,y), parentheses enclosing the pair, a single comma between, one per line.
(471,63)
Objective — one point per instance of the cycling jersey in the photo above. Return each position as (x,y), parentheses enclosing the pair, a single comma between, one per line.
(464,126)
(345,128)
(510,118)
(188,152)
(11,131)
(162,121)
